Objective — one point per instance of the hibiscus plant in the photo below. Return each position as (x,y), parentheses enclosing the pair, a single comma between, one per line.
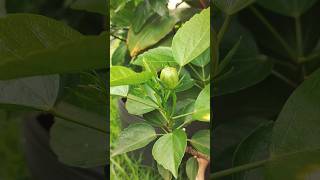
(169,88)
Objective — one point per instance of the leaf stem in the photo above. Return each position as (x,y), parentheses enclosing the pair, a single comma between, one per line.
(182,115)
(283,78)
(195,71)
(310,57)
(142,102)
(223,29)
(62,117)
(284,64)
(299,36)
(274,32)
(238,169)
(193,152)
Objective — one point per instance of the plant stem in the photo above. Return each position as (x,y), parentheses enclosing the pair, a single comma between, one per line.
(274,32)
(174,101)
(310,57)
(180,68)
(193,152)
(198,86)
(284,64)
(238,169)
(223,29)
(182,115)
(164,129)
(117,37)
(142,102)
(299,36)
(195,71)
(164,115)
(283,78)
(203,75)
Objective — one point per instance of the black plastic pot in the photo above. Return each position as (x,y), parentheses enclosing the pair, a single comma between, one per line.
(127,119)
(42,162)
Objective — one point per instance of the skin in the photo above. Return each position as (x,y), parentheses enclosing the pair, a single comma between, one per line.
(203,164)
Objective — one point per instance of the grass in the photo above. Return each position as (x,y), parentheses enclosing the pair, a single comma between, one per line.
(124,167)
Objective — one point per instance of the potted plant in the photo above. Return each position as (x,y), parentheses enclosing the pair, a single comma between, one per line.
(169,93)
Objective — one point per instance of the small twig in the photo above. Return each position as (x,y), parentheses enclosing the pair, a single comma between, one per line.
(274,32)
(117,37)
(203,4)
(193,152)
(223,29)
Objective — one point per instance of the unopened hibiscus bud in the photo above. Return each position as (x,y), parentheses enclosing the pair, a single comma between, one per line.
(169,77)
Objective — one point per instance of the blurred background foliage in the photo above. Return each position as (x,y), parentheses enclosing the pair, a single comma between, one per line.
(12,160)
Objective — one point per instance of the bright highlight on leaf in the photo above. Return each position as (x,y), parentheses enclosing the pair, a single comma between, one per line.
(202,105)
(197,29)
(120,75)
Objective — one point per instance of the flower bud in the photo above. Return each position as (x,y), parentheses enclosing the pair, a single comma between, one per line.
(169,77)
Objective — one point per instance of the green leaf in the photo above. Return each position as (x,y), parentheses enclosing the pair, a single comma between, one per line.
(96,6)
(122,16)
(227,136)
(192,39)
(159,6)
(120,75)
(141,100)
(165,174)
(192,168)
(142,13)
(155,59)
(77,145)
(185,82)
(35,92)
(292,8)
(185,106)
(82,131)
(253,148)
(150,34)
(119,90)
(202,105)
(232,6)
(119,54)
(201,141)
(203,59)
(86,90)
(169,150)
(134,137)
(42,46)
(81,116)
(246,67)
(155,118)
(227,59)
(295,146)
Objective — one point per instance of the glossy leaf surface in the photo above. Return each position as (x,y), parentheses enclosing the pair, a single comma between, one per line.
(192,39)
(173,145)
(120,75)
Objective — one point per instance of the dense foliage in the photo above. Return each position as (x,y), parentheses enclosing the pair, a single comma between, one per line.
(46,66)
(266,89)
(160,67)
